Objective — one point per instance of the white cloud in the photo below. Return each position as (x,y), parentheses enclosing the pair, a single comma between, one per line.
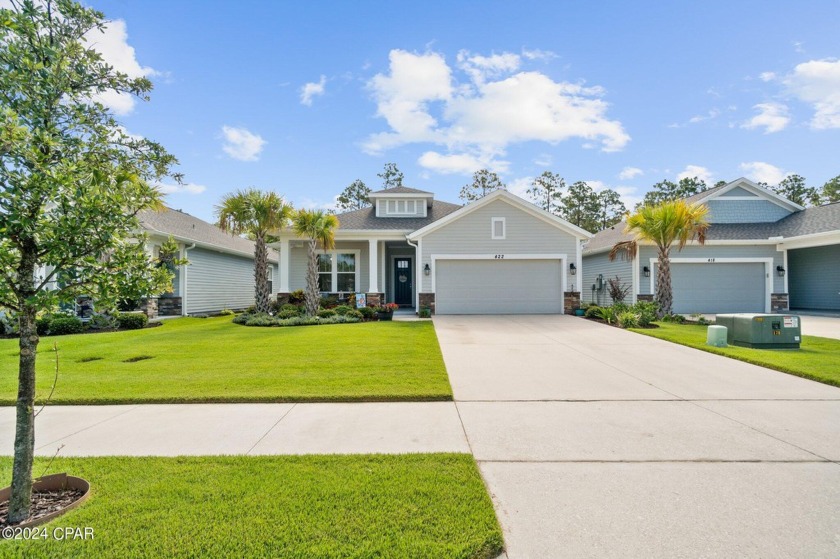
(818,82)
(312,89)
(773,117)
(461,163)
(538,54)
(112,44)
(767,76)
(187,188)
(520,187)
(543,160)
(242,144)
(630,173)
(629,195)
(712,114)
(760,171)
(421,102)
(692,171)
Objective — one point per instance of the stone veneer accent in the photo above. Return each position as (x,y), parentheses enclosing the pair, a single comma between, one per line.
(647,297)
(427,300)
(779,302)
(170,306)
(375,299)
(571,301)
(149,307)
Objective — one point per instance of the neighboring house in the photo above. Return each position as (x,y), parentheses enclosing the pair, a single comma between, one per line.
(220,273)
(763,253)
(497,255)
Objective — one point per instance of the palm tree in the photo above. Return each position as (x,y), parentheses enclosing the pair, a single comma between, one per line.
(256,214)
(318,227)
(664,224)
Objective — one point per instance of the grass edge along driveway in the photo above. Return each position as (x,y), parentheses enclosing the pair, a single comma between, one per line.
(410,505)
(817,359)
(194,360)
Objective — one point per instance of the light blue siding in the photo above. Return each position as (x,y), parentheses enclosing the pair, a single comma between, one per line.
(299,257)
(471,234)
(217,281)
(744,211)
(596,264)
(738,191)
(814,278)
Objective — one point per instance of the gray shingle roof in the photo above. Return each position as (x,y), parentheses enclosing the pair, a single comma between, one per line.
(809,221)
(700,195)
(366,218)
(188,228)
(400,190)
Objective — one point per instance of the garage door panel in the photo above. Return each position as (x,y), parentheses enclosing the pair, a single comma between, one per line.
(719,287)
(498,287)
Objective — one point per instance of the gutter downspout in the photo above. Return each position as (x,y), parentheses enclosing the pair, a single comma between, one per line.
(419,267)
(184,267)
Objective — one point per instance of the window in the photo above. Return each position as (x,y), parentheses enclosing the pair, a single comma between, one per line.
(401,207)
(270,274)
(497,228)
(337,272)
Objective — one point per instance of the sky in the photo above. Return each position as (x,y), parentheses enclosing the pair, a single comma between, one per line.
(305,97)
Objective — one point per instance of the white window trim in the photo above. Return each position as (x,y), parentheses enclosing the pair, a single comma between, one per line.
(412,204)
(334,272)
(493,222)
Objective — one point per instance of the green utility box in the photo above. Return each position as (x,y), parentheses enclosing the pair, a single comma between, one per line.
(764,331)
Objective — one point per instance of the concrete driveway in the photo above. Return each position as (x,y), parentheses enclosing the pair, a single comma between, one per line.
(825,325)
(597,442)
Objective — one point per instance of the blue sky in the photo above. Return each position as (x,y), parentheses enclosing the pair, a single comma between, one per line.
(619,94)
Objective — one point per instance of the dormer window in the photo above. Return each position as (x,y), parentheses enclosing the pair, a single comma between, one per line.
(401,207)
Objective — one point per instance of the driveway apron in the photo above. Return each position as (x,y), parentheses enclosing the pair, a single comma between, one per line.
(598,442)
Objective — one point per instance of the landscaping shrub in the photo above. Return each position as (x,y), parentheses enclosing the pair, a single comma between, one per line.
(329,302)
(102,322)
(607,314)
(342,310)
(617,290)
(592,311)
(241,318)
(353,313)
(291,308)
(260,319)
(367,312)
(425,312)
(627,319)
(297,297)
(326,313)
(288,313)
(226,312)
(265,320)
(64,325)
(42,326)
(675,318)
(132,321)
(646,311)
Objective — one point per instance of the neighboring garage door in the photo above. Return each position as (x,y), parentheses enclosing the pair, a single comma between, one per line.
(498,287)
(814,278)
(718,288)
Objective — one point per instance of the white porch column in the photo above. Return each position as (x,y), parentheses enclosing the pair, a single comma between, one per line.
(579,265)
(284,266)
(373,260)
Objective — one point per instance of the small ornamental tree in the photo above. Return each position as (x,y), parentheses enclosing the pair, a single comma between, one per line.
(72,182)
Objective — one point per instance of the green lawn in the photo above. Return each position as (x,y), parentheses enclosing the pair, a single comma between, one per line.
(417,505)
(214,360)
(817,359)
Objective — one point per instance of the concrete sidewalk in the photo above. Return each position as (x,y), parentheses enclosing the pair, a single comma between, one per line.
(199,429)
(598,442)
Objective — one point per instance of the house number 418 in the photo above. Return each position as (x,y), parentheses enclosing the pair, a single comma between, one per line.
(500,256)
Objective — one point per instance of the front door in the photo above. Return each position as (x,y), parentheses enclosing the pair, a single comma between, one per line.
(403,282)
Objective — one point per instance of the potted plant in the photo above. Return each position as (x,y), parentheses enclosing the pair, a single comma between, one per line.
(386,311)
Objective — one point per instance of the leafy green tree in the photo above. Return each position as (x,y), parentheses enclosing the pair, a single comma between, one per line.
(257,215)
(611,209)
(831,191)
(720,183)
(317,227)
(354,197)
(667,190)
(793,188)
(547,192)
(391,176)
(72,182)
(580,206)
(484,182)
(664,224)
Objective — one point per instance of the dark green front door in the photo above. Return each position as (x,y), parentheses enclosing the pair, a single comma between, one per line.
(403,282)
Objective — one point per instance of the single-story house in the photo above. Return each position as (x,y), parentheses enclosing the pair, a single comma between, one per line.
(763,253)
(220,273)
(500,254)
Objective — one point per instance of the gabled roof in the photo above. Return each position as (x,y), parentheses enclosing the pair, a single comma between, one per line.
(400,190)
(365,219)
(189,229)
(748,185)
(511,199)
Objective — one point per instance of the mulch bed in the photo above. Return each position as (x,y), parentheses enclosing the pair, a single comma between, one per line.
(44,503)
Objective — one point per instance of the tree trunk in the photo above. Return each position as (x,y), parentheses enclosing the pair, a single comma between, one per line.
(664,295)
(313,297)
(25,416)
(262,296)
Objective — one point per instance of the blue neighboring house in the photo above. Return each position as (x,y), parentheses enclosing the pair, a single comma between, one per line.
(763,253)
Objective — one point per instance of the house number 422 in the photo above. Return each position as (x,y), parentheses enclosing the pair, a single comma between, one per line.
(500,256)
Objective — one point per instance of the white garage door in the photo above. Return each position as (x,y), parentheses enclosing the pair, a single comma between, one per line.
(719,287)
(498,287)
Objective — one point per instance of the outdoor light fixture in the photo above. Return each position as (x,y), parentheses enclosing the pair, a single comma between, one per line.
(646,270)
(427,270)
(781,271)
(572,268)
